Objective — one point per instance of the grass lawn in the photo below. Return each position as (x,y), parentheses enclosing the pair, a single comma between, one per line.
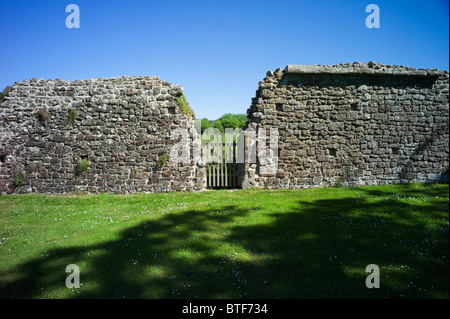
(311,243)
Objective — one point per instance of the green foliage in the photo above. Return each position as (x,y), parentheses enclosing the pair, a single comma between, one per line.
(18,178)
(233,120)
(71,116)
(338,184)
(4,94)
(184,106)
(162,159)
(205,123)
(83,166)
(228,120)
(43,116)
(218,125)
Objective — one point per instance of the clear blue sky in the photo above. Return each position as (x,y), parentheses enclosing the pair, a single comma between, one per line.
(218,50)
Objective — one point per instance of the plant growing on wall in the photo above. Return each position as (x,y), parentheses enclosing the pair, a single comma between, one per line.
(71,116)
(83,166)
(162,159)
(184,106)
(18,178)
(43,116)
(4,94)
(337,184)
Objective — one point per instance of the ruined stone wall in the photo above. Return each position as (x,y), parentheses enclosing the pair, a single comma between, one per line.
(353,124)
(121,125)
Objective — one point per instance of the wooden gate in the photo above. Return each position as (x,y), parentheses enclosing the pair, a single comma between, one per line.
(222,174)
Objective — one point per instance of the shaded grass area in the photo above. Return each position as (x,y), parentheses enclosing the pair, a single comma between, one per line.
(311,243)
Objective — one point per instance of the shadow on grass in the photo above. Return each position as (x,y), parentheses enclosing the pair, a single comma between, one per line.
(319,249)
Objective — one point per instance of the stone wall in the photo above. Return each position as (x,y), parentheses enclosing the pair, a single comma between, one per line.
(120,125)
(349,124)
(353,124)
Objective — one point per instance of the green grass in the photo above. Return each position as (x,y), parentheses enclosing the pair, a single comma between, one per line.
(311,243)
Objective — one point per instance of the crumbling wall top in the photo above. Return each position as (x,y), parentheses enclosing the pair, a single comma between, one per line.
(356,68)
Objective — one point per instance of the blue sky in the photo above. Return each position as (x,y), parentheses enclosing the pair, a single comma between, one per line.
(218,50)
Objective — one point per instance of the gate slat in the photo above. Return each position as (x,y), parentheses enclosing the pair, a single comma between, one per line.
(218,174)
(235,163)
(222,183)
(209,175)
(214,176)
(231,166)
(226,175)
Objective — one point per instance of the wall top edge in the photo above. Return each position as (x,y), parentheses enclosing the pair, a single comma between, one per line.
(357,68)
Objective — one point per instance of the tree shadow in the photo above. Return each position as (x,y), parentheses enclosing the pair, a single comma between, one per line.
(319,249)
(149,260)
(434,142)
(407,190)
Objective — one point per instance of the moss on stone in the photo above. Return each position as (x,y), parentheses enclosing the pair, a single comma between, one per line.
(4,94)
(71,116)
(43,116)
(18,178)
(184,106)
(162,159)
(83,166)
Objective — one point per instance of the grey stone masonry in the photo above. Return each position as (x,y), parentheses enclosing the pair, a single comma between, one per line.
(353,124)
(121,126)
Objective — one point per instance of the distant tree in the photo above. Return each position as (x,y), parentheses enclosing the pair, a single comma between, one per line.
(229,121)
(242,119)
(218,125)
(225,121)
(233,120)
(205,124)
(4,94)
